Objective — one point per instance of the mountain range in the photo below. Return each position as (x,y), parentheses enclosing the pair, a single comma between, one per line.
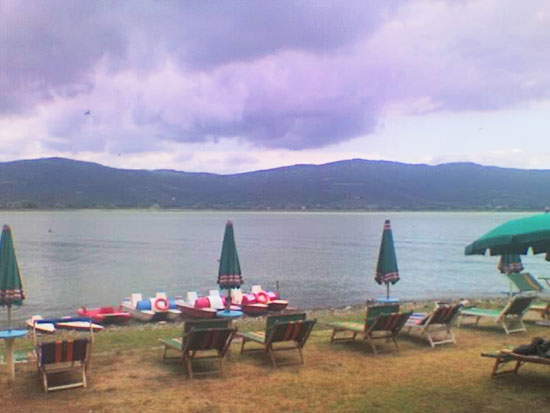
(355,184)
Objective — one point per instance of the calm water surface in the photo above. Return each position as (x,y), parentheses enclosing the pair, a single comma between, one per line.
(95,257)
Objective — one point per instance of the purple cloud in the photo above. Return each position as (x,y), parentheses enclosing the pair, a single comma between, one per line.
(276,74)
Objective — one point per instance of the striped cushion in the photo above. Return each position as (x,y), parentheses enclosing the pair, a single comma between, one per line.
(63,351)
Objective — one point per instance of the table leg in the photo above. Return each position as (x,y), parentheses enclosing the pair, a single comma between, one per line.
(9,360)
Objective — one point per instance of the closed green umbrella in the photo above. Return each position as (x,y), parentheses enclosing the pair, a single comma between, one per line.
(386,269)
(11,287)
(11,293)
(229,273)
(515,237)
(510,263)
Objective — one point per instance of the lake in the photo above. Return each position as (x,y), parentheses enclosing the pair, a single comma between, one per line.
(320,259)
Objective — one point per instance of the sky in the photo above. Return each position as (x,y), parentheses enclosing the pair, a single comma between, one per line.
(233,86)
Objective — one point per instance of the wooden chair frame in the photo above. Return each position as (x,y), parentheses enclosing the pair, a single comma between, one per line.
(505,356)
(65,364)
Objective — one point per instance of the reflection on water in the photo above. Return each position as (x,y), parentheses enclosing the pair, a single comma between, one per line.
(74,258)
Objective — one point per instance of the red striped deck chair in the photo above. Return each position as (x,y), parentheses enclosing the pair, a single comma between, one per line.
(287,328)
(62,356)
(386,326)
(440,321)
(202,344)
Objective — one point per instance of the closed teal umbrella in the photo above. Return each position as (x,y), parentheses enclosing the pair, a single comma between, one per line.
(229,272)
(11,287)
(510,263)
(386,269)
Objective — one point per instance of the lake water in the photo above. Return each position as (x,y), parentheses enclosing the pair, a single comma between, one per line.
(98,257)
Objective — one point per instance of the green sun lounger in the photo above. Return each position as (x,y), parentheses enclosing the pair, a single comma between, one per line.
(510,317)
(527,284)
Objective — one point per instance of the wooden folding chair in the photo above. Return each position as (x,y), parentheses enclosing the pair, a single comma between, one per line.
(62,356)
(386,326)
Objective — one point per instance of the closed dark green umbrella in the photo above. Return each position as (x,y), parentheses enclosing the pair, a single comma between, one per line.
(515,237)
(11,288)
(229,273)
(510,263)
(386,269)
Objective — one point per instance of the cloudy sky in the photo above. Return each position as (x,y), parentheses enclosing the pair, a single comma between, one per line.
(230,86)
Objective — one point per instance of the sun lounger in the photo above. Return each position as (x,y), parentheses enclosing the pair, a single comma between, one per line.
(62,356)
(201,336)
(505,356)
(373,311)
(510,317)
(287,328)
(438,321)
(384,327)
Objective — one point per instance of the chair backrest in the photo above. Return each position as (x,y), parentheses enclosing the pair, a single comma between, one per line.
(216,301)
(518,306)
(297,331)
(213,293)
(192,297)
(236,296)
(282,318)
(444,314)
(256,289)
(205,324)
(209,339)
(52,352)
(389,322)
(525,282)
(374,310)
(135,298)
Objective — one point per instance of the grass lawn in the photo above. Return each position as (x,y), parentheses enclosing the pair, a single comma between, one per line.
(127,374)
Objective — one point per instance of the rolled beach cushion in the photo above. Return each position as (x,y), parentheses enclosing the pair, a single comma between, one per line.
(249,299)
(143,305)
(262,297)
(272,295)
(202,302)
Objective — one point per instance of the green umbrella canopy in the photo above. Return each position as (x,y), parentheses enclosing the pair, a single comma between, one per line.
(510,263)
(11,288)
(515,237)
(229,273)
(386,269)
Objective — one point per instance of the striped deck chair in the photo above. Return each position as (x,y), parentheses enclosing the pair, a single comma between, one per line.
(373,311)
(510,317)
(285,328)
(61,356)
(201,335)
(386,326)
(438,321)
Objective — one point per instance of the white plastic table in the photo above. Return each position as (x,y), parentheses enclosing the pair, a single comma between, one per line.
(9,336)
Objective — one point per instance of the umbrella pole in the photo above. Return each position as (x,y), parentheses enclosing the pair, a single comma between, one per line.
(228,301)
(9,317)
(388,290)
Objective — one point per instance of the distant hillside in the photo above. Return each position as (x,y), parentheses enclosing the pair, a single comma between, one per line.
(351,184)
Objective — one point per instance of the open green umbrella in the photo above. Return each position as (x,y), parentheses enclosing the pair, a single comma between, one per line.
(11,287)
(386,269)
(515,237)
(229,273)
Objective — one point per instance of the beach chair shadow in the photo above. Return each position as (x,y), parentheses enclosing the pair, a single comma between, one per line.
(510,317)
(285,332)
